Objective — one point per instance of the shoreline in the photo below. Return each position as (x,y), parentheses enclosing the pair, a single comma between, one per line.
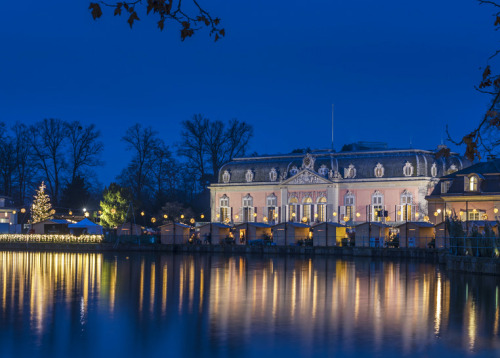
(467,264)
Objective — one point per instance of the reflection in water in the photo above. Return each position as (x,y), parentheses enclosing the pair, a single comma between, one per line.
(81,304)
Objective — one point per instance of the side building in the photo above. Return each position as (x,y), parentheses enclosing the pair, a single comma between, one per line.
(350,186)
(471,194)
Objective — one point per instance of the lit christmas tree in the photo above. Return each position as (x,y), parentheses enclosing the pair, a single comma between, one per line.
(41,208)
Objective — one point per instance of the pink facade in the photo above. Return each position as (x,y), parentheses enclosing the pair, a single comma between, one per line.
(352,188)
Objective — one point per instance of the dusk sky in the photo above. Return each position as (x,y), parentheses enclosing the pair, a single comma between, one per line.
(397,71)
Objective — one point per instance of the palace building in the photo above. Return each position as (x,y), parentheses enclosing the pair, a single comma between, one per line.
(362,184)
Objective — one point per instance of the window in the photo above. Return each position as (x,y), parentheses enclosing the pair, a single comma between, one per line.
(406,205)
(377,206)
(272,210)
(226,176)
(323,170)
(224,210)
(434,170)
(272,200)
(294,171)
(473,183)
(249,176)
(445,186)
(247,208)
(349,205)
(350,172)
(273,175)
(321,209)
(408,169)
(476,214)
(307,208)
(292,209)
(379,170)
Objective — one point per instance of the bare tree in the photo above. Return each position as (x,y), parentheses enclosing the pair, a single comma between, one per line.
(215,145)
(191,18)
(7,161)
(207,145)
(25,167)
(85,147)
(143,142)
(192,145)
(47,139)
(238,135)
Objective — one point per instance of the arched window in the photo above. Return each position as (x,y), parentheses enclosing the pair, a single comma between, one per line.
(406,206)
(226,176)
(307,209)
(224,209)
(408,169)
(378,206)
(323,170)
(247,208)
(292,208)
(249,176)
(349,204)
(473,183)
(321,209)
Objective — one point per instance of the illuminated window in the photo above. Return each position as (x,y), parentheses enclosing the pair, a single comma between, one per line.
(307,205)
(473,183)
(377,206)
(292,209)
(225,210)
(321,209)
(349,205)
(406,205)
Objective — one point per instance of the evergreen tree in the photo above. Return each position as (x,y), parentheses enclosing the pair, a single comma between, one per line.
(114,206)
(41,207)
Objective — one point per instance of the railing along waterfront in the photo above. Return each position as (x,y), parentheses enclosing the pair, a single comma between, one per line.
(27,238)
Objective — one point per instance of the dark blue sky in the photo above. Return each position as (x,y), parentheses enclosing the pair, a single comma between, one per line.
(395,70)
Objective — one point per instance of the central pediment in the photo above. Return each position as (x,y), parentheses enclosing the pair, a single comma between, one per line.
(307,177)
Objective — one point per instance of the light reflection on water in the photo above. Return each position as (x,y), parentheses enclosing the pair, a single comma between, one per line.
(157,305)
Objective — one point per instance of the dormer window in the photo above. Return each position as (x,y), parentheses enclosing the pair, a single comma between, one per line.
(350,172)
(445,186)
(379,170)
(273,175)
(434,170)
(408,169)
(226,176)
(249,176)
(323,170)
(473,180)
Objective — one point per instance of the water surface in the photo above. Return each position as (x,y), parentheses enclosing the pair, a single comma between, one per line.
(168,305)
